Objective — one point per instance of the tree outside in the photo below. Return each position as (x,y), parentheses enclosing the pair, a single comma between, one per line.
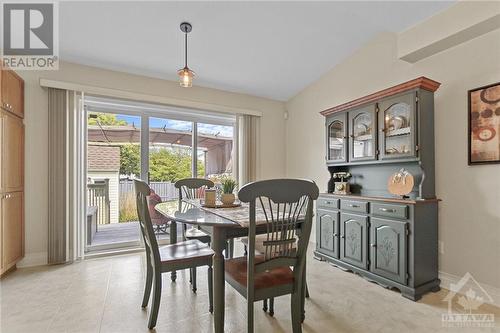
(105,119)
(165,165)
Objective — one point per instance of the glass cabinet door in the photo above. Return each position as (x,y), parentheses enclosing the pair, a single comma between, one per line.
(337,139)
(397,127)
(363,138)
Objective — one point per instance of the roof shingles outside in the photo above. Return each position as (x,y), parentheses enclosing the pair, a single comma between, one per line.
(103,158)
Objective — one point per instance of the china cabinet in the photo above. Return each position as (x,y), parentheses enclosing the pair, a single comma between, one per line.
(363,137)
(397,127)
(386,239)
(337,139)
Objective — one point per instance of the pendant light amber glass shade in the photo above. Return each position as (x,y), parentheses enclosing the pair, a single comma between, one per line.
(185,77)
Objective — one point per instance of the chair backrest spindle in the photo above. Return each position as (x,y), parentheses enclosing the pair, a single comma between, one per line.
(287,206)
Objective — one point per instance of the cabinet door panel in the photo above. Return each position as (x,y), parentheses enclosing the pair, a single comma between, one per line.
(398,128)
(363,134)
(12,93)
(1,151)
(354,241)
(327,232)
(12,228)
(336,138)
(12,154)
(388,249)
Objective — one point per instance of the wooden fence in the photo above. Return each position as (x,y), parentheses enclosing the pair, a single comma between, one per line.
(165,190)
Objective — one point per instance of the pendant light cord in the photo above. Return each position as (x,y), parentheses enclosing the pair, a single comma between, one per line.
(185,49)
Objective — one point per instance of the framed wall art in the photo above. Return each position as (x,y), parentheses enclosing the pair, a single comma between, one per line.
(484,124)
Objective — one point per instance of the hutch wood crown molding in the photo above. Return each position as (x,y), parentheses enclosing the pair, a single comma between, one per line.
(418,83)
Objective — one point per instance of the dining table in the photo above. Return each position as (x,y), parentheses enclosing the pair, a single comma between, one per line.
(221,224)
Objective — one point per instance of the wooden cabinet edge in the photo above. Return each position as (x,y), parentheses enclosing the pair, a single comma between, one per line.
(418,83)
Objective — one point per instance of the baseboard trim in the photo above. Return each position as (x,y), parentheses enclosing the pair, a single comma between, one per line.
(447,279)
(33,259)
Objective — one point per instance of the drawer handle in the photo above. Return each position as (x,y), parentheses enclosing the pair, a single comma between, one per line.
(354,206)
(387,210)
(328,202)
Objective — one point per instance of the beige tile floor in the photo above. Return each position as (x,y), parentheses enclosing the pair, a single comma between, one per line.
(104,295)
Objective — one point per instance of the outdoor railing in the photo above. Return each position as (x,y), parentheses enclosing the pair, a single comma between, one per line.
(98,196)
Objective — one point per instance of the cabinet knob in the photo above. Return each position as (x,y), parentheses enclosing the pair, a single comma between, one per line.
(373,245)
(343,236)
(335,235)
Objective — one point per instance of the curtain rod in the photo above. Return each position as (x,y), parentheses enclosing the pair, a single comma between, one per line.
(109,92)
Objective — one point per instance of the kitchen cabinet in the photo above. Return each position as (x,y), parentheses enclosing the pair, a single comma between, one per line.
(11,170)
(12,97)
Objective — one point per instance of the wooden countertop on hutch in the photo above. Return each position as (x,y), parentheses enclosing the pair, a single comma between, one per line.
(418,83)
(394,200)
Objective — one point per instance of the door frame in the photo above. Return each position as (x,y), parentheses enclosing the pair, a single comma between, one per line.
(146,111)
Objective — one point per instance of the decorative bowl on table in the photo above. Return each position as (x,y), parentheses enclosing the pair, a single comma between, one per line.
(228,198)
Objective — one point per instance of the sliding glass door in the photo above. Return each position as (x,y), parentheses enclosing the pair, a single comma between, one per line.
(128,140)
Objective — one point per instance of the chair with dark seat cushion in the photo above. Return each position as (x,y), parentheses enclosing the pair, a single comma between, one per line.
(283,207)
(178,256)
(260,249)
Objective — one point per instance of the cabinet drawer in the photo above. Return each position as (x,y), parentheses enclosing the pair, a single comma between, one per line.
(327,203)
(390,210)
(354,206)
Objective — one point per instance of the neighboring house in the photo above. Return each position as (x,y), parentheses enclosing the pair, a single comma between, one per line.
(103,162)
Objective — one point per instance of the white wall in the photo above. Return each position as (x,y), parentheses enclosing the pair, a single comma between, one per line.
(36,117)
(469,215)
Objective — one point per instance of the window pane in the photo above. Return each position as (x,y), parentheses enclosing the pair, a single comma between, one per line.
(170,151)
(215,151)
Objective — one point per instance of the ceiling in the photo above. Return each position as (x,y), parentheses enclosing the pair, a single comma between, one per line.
(268,49)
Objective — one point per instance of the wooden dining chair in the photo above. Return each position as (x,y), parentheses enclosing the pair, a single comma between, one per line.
(284,207)
(261,249)
(194,188)
(178,256)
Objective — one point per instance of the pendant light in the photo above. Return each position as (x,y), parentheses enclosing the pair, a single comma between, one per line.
(186,75)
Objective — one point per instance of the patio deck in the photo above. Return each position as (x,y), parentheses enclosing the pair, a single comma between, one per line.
(119,233)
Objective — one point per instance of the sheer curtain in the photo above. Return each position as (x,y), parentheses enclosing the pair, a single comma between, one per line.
(249,143)
(66,166)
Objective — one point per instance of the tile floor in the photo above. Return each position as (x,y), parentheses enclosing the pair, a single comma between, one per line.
(104,295)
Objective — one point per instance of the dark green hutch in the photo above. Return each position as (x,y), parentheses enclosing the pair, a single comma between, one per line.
(387,239)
